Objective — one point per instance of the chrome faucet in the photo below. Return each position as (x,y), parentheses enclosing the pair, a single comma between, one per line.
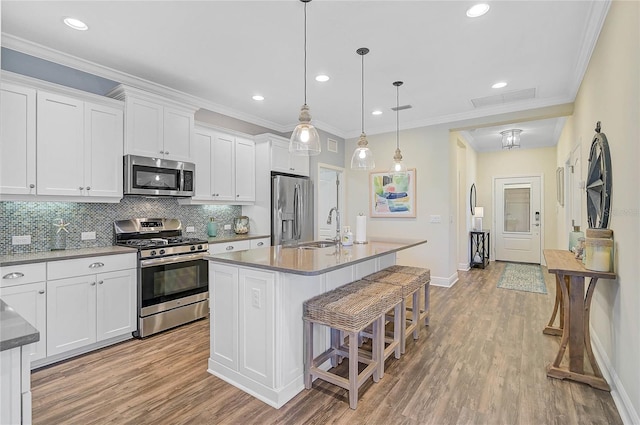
(337,238)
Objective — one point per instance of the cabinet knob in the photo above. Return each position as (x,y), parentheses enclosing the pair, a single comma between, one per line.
(260,243)
(100,282)
(14,275)
(166,152)
(162,152)
(88,187)
(41,291)
(80,187)
(96,265)
(237,196)
(32,185)
(93,284)
(230,248)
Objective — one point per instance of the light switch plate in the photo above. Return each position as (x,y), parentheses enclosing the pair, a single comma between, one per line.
(436,219)
(21,240)
(88,236)
(191,229)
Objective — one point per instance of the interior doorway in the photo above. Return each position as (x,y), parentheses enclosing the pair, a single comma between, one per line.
(518,219)
(330,194)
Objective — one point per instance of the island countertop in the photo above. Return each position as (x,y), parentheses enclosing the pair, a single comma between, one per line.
(310,262)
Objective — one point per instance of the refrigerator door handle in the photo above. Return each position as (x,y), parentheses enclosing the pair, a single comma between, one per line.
(296,212)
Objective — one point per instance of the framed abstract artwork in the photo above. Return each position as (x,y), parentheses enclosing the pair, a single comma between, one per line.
(392,195)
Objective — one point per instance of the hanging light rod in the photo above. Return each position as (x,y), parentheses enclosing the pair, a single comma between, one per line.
(305,140)
(398,168)
(362,158)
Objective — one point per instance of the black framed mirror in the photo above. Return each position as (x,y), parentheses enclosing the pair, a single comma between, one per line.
(472,199)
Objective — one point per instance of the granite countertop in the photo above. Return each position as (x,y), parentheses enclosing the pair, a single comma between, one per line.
(66,254)
(233,237)
(14,330)
(310,262)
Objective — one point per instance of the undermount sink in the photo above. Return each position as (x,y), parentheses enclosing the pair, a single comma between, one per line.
(317,244)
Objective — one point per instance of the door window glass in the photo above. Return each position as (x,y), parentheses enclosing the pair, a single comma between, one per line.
(517,209)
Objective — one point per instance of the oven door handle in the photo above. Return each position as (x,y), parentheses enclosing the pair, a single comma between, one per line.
(172,259)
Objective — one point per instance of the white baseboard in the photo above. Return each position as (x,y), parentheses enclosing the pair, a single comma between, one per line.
(446,282)
(464,267)
(627,411)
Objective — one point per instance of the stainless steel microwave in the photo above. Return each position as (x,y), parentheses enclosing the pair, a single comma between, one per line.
(158,177)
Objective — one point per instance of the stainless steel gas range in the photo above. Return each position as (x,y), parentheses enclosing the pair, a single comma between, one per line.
(173,276)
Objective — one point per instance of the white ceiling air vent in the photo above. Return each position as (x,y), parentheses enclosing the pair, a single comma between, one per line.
(401,108)
(499,99)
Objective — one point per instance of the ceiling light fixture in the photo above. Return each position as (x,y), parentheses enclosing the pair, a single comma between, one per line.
(257,97)
(499,85)
(362,158)
(76,24)
(322,78)
(398,168)
(477,10)
(305,140)
(511,138)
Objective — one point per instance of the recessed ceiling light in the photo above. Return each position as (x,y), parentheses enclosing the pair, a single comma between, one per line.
(76,24)
(322,78)
(377,112)
(499,85)
(257,97)
(477,10)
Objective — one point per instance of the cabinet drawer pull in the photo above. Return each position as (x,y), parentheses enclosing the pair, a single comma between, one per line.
(14,275)
(41,291)
(230,247)
(96,265)
(260,243)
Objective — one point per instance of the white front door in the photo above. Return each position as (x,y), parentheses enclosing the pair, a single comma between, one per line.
(518,219)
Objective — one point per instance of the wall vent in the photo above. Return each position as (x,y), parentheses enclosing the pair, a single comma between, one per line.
(499,99)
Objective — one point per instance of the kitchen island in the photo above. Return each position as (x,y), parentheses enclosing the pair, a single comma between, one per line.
(256,301)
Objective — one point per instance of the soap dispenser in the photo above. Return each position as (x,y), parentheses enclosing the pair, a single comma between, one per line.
(347,236)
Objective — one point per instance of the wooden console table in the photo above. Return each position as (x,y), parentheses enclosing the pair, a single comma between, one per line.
(574,307)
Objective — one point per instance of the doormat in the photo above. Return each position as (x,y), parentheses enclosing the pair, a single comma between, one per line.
(522,277)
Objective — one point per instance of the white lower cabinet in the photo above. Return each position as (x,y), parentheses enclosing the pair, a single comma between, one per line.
(30,302)
(15,386)
(89,308)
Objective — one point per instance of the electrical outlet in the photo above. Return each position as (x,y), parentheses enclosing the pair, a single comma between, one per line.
(227,227)
(436,219)
(191,229)
(88,236)
(21,240)
(255,297)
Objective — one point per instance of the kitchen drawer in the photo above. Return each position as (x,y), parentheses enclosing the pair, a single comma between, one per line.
(260,243)
(90,265)
(21,274)
(219,248)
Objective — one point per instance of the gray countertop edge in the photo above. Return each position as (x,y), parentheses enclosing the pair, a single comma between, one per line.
(67,254)
(14,330)
(310,272)
(233,238)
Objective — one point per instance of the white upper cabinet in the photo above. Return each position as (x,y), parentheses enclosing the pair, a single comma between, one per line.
(225,168)
(59,144)
(280,159)
(156,127)
(17,140)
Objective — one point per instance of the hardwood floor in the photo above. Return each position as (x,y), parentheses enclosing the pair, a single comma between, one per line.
(481,361)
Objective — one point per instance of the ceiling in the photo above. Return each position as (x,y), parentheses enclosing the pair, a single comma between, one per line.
(223,52)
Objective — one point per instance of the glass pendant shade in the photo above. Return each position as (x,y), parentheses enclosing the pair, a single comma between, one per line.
(305,139)
(511,138)
(362,158)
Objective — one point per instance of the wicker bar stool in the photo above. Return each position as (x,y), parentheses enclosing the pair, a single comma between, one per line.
(349,313)
(376,289)
(411,279)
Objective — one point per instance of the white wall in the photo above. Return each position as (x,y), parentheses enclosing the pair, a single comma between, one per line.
(466,160)
(517,162)
(610,93)
(428,150)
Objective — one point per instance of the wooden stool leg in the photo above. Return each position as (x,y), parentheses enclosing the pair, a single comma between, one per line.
(353,370)
(415,310)
(403,325)
(308,353)
(426,303)
(398,329)
(335,343)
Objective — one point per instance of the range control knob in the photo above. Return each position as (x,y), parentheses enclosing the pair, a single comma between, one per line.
(192,248)
(199,246)
(162,251)
(153,253)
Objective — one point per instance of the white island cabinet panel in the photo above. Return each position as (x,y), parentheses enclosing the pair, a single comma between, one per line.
(223,291)
(256,321)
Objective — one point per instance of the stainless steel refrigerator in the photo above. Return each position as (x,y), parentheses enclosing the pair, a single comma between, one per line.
(291,210)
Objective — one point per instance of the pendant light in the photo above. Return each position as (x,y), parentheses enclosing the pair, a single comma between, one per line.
(398,168)
(362,158)
(305,140)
